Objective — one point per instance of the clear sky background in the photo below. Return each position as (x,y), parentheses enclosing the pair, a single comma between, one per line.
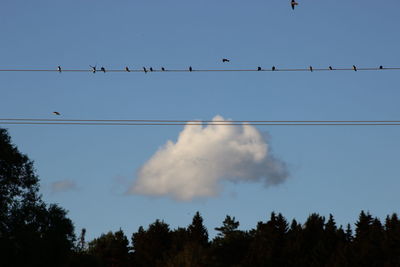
(339,170)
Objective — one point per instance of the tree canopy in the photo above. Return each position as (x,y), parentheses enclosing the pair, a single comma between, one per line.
(33,233)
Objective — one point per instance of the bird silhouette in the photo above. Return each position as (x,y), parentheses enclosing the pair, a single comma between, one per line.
(151,69)
(145,70)
(93,68)
(293,3)
(354,68)
(56,113)
(258,68)
(59,69)
(311,69)
(103,69)
(127,69)
(330,68)
(273,68)
(190,68)
(381,67)
(225,60)
(162,68)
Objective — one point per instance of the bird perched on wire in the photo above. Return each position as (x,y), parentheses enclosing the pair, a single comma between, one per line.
(93,68)
(381,67)
(56,113)
(145,70)
(103,69)
(127,69)
(225,60)
(293,3)
(190,68)
(330,68)
(151,69)
(258,68)
(354,68)
(59,69)
(162,69)
(273,68)
(311,68)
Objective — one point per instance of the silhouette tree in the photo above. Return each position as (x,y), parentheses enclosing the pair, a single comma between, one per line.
(197,231)
(313,247)
(111,249)
(229,226)
(35,234)
(230,245)
(151,247)
(331,235)
(391,245)
(31,234)
(367,245)
(349,233)
(293,246)
(81,247)
(18,182)
(268,241)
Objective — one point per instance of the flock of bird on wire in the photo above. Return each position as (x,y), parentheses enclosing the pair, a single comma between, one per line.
(293,3)
(94,69)
(190,69)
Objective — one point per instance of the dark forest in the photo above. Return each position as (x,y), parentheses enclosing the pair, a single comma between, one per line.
(34,233)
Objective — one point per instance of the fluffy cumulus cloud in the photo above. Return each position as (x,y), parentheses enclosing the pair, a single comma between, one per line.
(204,156)
(63,186)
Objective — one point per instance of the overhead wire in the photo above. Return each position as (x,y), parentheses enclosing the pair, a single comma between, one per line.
(143,122)
(163,69)
(199,121)
(29,121)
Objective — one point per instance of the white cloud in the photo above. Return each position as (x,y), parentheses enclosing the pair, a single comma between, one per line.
(63,186)
(203,156)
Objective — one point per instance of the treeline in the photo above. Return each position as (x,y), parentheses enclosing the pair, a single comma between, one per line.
(275,242)
(33,233)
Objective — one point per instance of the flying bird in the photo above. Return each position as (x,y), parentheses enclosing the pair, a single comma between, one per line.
(311,69)
(93,68)
(59,69)
(293,3)
(258,68)
(145,70)
(103,69)
(330,68)
(127,69)
(56,113)
(225,60)
(190,68)
(162,69)
(354,68)
(273,68)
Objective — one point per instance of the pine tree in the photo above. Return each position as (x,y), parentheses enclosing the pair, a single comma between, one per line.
(229,226)
(151,246)
(391,244)
(197,231)
(230,246)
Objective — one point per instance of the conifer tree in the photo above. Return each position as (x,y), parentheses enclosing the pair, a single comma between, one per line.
(197,231)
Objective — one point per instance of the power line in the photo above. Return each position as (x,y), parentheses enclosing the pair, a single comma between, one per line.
(8,121)
(199,121)
(193,124)
(258,69)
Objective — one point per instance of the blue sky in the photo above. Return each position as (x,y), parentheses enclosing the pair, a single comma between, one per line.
(338,170)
